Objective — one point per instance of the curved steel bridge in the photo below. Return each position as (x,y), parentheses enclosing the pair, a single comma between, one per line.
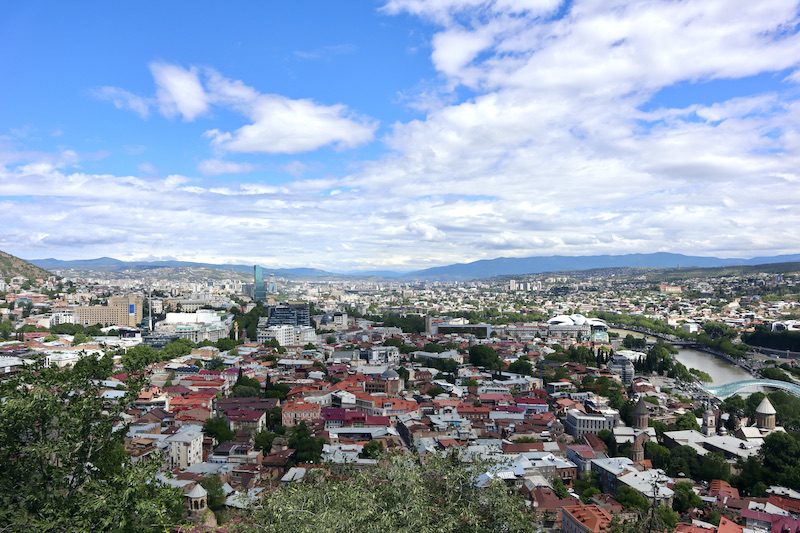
(729,389)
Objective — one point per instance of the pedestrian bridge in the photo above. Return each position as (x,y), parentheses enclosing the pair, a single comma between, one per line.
(729,389)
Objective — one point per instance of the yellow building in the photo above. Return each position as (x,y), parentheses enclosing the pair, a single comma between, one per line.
(120,311)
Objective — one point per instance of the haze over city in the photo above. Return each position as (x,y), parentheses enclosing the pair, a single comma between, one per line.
(401,134)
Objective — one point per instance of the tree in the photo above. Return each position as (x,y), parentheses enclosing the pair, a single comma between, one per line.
(686,421)
(95,367)
(521,366)
(218,429)
(226,344)
(685,498)
(372,450)
(404,374)
(215,364)
(63,466)
(244,391)
(80,338)
(659,455)
(713,466)
(632,499)
(485,356)
(401,494)
(683,462)
(559,489)
(733,404)
(307,448)
(138,357)
(667,517)
(263,441)
(216,496)
(435,391)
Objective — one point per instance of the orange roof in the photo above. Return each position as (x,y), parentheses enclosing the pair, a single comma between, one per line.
(726,526)
(593,517)
(364,396)
(299,405)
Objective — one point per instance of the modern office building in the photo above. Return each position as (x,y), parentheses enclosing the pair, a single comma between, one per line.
(259,289)
(291,314)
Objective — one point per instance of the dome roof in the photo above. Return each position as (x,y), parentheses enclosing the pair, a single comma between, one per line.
(765,407)
(641,407)
(197,492)
(390,374)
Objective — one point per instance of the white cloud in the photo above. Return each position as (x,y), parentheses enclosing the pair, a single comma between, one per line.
(284,126)
(179,91)
(326,52)
(564,146)
(124,100)
(214,167)
(278,125)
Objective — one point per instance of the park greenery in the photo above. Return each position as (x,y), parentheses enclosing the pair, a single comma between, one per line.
(778,340)
(715,335)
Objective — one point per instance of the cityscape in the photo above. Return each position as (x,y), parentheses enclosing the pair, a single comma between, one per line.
(627,398)
(427,266)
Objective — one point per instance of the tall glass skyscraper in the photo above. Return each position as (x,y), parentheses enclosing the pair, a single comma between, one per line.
(259,290)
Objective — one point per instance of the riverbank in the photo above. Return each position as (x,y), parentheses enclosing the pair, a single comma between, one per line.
(702,358)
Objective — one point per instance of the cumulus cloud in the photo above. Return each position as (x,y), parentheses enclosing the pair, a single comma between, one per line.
(285,126)
(566,144)
(124,100)
(179,91)
(277,124)
(214,167)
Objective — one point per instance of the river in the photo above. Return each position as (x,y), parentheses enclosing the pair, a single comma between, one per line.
(720,370)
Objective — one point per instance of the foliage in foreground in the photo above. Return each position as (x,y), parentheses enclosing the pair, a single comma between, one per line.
(63,467)
(404,493)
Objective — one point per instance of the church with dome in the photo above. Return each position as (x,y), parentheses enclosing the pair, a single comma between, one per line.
(765,423)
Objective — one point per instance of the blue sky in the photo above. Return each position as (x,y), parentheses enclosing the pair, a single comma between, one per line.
(400,134)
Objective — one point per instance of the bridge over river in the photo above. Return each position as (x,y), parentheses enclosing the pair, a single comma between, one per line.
(729,389)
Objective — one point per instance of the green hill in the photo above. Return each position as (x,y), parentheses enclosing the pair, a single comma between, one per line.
(14,266)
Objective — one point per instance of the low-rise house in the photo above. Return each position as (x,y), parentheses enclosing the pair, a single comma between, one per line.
(300,411)
(584,519)
(246,420)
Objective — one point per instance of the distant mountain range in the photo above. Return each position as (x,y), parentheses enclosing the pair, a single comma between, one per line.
(507,266)
(486,268)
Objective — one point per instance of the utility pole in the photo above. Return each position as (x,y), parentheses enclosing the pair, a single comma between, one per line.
(655,486)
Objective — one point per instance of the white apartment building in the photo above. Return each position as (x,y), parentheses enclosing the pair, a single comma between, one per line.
(283,333)
(185,449)
(580,423)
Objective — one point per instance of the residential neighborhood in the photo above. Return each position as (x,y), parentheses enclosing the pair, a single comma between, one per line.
(589,423)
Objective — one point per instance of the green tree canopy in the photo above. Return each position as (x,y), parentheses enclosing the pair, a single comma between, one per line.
(218,429)
(63,466)
(308,449)
(372,450)
(438,494)
(685,498)
(485,356)
(216,364)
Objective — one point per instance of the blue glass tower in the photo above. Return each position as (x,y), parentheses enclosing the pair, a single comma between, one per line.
(259,291)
